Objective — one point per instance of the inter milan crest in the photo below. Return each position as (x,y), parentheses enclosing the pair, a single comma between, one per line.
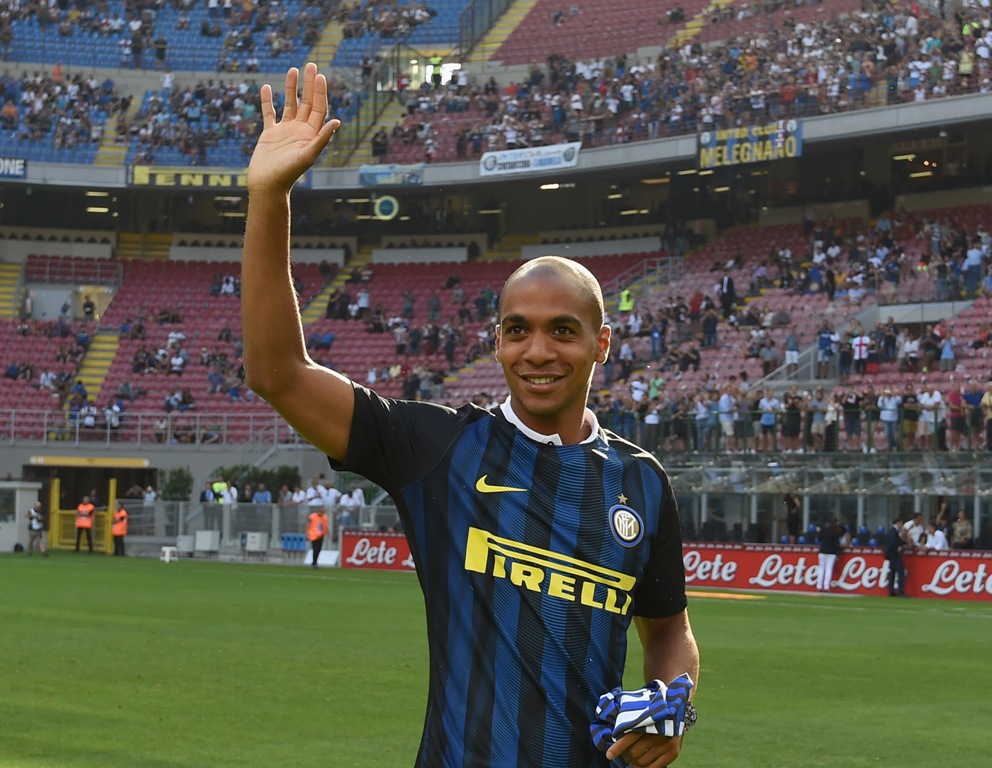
(626,524)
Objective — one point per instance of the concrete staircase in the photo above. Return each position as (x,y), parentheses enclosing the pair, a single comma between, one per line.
(695,25)
(497,34)
(322,53)
(317,307)
(508,249)
(11,291)
(99,357)
(148,246)
(362,153)
(111,154)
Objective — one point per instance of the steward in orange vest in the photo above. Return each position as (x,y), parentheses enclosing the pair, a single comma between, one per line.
(317,526)
(85,513)
(119,529)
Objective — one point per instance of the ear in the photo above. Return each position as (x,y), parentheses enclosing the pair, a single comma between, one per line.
(498,343)
(603,344)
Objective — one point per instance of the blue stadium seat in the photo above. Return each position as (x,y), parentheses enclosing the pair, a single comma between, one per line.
(293,544)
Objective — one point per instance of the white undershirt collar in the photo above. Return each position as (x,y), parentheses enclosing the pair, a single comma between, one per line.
(588,417)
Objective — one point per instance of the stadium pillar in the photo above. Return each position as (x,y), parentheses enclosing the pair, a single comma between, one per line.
(976,517)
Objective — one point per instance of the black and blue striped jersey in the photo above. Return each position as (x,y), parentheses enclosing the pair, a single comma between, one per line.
(533,558)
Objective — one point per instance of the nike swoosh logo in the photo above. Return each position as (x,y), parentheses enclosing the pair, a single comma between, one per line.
(482,486)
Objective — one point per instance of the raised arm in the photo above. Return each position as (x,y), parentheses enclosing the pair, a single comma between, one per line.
(317,402)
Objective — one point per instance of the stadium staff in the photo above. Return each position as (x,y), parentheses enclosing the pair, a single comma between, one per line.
(537,535)
(85,513)
(318,524)
(119,529)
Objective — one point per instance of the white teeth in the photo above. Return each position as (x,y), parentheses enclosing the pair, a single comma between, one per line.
(542,380)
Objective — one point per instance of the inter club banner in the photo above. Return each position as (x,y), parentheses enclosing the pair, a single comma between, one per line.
(750,144)
(530,159)
(380,551)
(954,574)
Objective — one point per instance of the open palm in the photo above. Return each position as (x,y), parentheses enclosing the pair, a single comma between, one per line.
(291,145)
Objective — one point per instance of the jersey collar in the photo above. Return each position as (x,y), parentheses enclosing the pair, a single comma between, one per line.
(555,439)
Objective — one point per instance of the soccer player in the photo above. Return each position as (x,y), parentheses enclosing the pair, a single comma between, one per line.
(537,536)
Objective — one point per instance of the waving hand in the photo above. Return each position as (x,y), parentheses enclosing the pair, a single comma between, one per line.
(288,147)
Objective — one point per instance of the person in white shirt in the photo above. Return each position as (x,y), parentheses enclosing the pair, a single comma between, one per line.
(726,415)
(888,406)
(316,493)
(915,530)
(930,401)
(47,381)
(638,389)
(89,412)
(351,506)
(936,538)
(768,407)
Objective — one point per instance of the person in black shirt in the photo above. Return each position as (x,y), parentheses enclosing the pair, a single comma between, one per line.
(895,541)
(851,404)
(793,516)
(829,549)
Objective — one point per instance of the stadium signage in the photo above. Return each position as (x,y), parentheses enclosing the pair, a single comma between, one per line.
(548,572)
(187,178)
(391,175)
(195,178)
(380,551)
(530,159)
(956,574)
(13,168)
(751,144)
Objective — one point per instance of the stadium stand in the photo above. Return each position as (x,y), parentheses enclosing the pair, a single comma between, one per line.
(771,265)
(53,118)
(721,65)
(371,25)
(208,124)
(206,37)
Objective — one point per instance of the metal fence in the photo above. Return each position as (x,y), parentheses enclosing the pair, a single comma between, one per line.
(44,427)
(160,523)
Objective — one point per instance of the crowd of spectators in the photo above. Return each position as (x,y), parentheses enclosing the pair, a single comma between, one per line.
(69,111)
(58,374)
(387,18)
(213,371)
(281,30)
(734,417)
(211,114)
(191,120)
(887,53)
(140,35)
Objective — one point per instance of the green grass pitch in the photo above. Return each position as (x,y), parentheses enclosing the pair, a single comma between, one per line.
(135,663)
